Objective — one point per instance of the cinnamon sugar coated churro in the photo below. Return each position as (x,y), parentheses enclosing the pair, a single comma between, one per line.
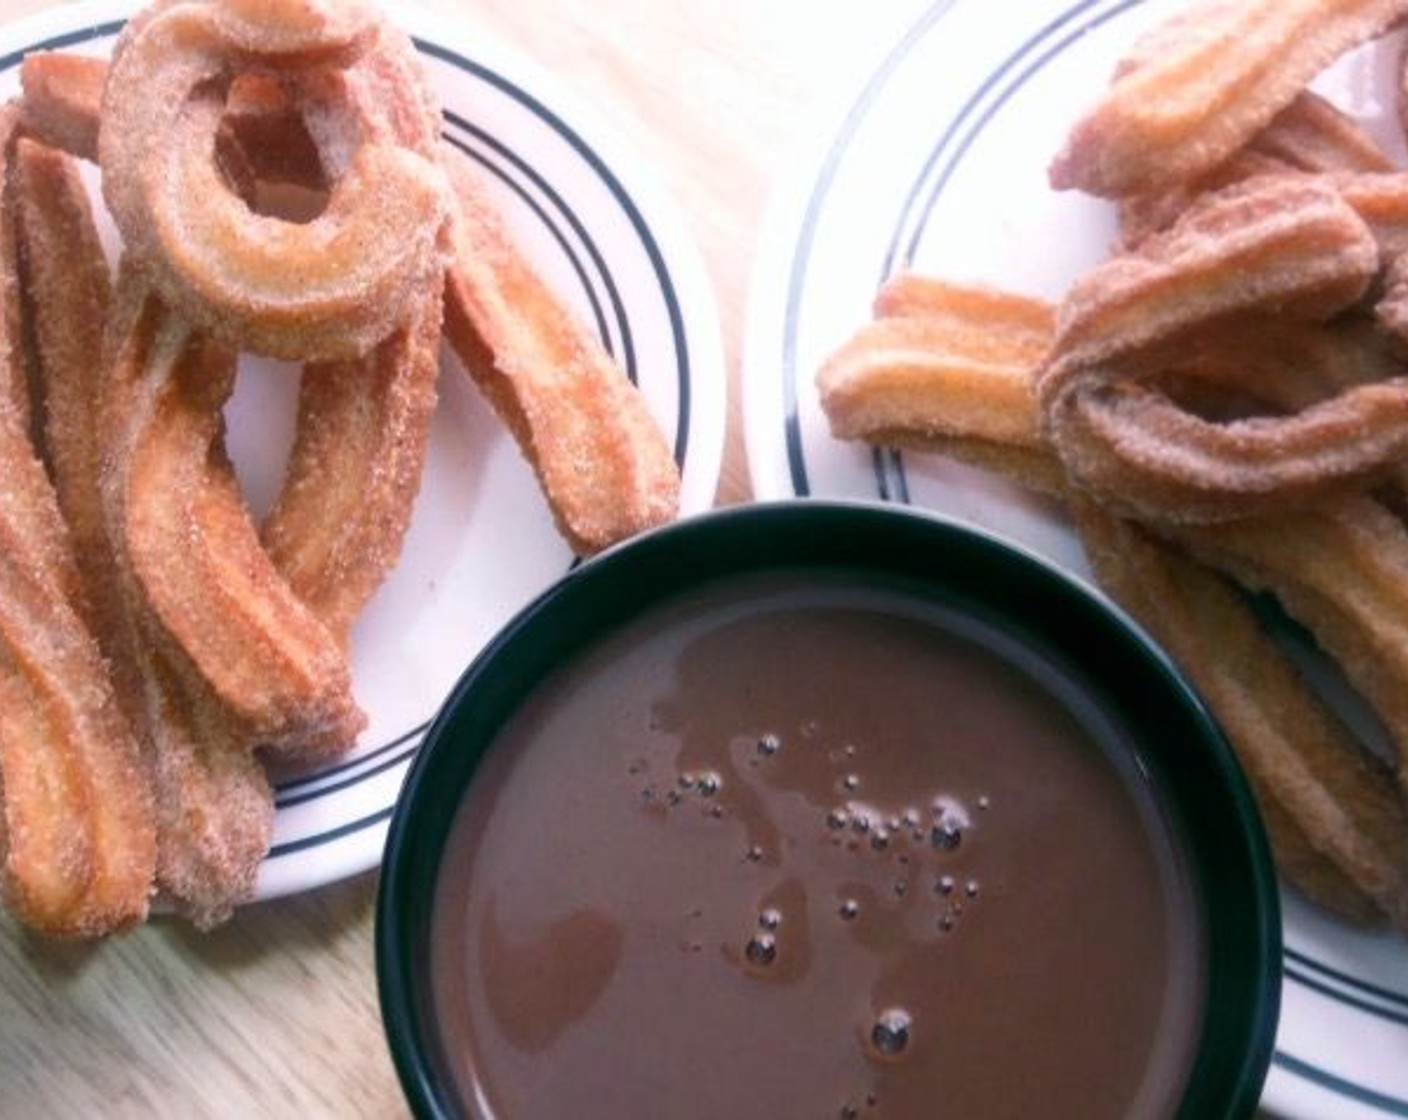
(161,649)
(1222,404)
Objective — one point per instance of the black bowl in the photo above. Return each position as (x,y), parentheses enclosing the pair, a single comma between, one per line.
(1204,787)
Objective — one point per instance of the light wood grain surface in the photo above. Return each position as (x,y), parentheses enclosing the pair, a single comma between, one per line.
(275,1015)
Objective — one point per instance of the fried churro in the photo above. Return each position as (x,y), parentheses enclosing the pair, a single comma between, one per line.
(77,832)
(948,368)
(1287,243)
(214,802)
(601,460)
(1202,85)
(363,428)
(194,551)
(1341,827)
(326,289)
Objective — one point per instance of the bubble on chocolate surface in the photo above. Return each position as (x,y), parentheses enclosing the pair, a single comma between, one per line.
(837,818)
(849,910)
(761,950)
(851,782)
(889,1034)
(944,884)
(769,745)
(946,835)
(770,918)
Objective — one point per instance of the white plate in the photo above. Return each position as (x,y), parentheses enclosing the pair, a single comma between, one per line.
(481,543)
(941,163)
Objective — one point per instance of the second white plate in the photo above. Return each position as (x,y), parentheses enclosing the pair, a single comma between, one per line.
(941,165)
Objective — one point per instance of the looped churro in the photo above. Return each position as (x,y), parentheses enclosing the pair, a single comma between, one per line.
(1285,242)
(330,288)
(306,31)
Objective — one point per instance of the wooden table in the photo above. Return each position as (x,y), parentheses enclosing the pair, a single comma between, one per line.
(276,1014)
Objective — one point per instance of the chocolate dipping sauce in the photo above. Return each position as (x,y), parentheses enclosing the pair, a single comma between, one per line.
(783,848)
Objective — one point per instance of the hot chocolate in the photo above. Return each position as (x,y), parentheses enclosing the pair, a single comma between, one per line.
(785,848)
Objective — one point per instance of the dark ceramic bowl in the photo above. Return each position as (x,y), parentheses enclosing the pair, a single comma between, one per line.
(1180,747)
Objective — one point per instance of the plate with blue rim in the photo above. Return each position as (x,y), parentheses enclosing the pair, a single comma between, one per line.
(938,163)
(595,221)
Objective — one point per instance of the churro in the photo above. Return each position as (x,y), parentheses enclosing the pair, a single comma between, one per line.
(214,803)
(602,462)
(1341,827)
(363,428)
(222,607)
(1288,243)
(77,830)
(1202,85)
(329,288)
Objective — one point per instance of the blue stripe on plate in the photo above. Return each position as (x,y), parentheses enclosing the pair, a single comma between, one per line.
(62,42)
(348,764)
(350,772)
(1307,980)
(986,108)
(1331,975)
(801,260)
(303,844)
(541,186)
(628,206)
(1392,1106)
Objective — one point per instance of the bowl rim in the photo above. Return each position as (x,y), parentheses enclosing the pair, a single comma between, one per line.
(1246,1015)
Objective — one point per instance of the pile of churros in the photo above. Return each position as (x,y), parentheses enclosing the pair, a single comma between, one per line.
(160,649)
(1223,404)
